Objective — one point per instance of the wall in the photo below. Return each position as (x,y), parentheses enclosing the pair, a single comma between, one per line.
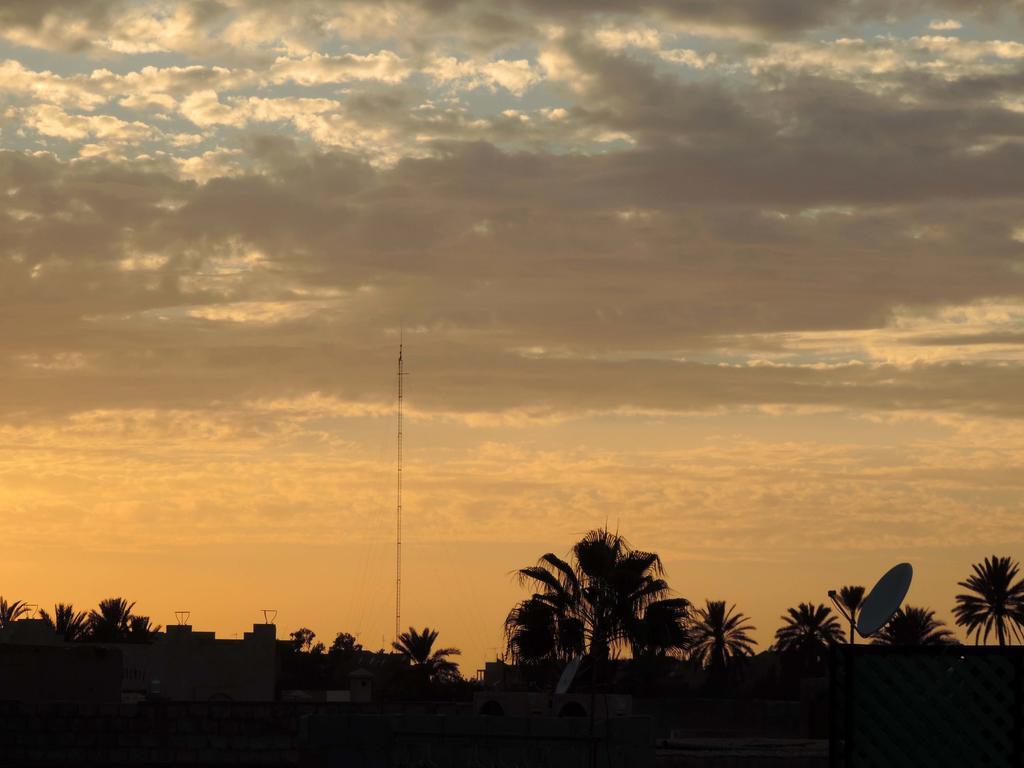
(534,703)
(58,734)
(320,735)
(68,672)
(684,718)
(182,665)
(481,742)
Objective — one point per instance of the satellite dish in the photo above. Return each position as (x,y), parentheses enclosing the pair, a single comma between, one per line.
(567,675)
(884,599)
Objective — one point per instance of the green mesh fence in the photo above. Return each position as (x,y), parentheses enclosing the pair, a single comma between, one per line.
(951,706)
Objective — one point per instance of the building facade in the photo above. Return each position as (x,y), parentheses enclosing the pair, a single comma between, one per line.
(178,665)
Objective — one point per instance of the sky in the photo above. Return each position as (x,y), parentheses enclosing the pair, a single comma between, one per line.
(742,280)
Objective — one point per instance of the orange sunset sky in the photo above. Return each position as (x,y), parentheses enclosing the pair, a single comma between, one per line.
(744,280)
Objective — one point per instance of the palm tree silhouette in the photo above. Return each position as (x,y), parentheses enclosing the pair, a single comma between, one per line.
(852,598)
(997,601)
(66,621)
(913,626)
(141,629)
(611,597)
(535,629)
(720,639)
(111,623)
(807,633)
(11,611)
(663,629)
(418,647)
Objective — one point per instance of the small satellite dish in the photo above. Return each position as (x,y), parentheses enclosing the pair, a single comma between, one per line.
(567,675)
(884,599)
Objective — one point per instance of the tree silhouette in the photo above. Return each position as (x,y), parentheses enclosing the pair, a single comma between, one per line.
(303,641)
(302,661)
(610,598)
(913,626)
(343,657)
(663,629)
(344,646)
(720,638)
(141,629)
(995,600)
(539,628)
(111,621)
(852,598)
(66,621)
(418,647)
(11,611)
(807,633)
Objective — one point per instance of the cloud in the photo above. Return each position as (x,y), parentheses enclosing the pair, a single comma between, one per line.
(45,86)
(688,57)
(863,61)
(213,164)
(205,109)
(50,120)
(237,268)
(581,210)
(256,30)
(316,69)
(758,498)
(147,89)
(514,76)
(616,39)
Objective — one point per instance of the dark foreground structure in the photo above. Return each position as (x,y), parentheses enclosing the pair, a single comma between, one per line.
(315,735)
(941,706)
(71,705)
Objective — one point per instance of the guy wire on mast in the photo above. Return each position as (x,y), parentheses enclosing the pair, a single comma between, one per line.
(398,516)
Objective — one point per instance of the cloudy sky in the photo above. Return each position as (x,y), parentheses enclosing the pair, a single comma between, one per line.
(742,278)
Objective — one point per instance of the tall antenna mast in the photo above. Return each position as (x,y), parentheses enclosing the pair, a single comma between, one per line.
(398,515)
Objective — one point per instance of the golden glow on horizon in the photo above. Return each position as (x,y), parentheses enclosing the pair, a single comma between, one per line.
(769,516)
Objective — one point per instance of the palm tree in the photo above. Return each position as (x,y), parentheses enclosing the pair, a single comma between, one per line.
(913,626)
(66,621)
(611,597)
(663,629)
(851,598)
(112,621)
(11,611)
(142,630)
(807,633)
(997,601)
(720,638)
(540,628)
(418,648)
